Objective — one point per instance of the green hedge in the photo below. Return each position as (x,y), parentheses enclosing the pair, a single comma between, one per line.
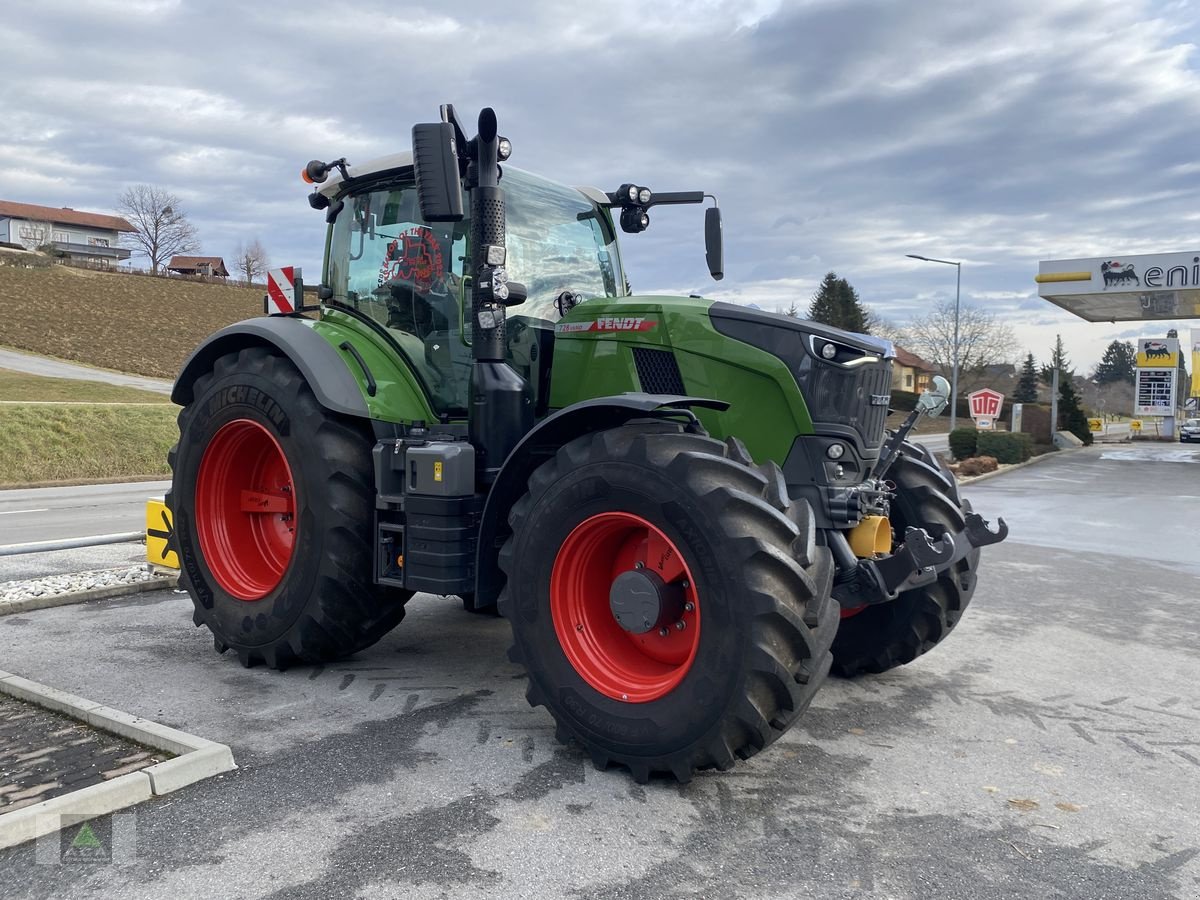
(904,401)
(962,442)
(1006,446)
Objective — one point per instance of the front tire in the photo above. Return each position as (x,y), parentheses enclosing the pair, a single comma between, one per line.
(745,644)
(873,639)
(272,498)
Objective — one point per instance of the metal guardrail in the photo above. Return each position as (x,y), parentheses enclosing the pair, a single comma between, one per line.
(95,540)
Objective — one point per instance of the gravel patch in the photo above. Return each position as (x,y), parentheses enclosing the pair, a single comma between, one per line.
(76,582)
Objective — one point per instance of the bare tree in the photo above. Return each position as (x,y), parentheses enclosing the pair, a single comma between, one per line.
(982,340)
(161,228)
(250,260)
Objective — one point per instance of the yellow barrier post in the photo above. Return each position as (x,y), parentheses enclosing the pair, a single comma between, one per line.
(158,535)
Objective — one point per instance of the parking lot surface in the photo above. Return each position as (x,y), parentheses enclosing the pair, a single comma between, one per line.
(1050,748)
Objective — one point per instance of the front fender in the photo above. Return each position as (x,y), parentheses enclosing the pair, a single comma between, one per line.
(599,414)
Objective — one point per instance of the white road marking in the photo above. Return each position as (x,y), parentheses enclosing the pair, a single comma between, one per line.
(16,512)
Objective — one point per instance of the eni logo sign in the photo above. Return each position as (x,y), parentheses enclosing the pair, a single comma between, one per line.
(1175,276)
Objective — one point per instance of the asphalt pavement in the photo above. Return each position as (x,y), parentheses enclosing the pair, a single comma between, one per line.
(43,514)
(1050,748)
(57,368)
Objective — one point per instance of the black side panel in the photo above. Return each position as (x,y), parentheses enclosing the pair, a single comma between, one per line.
(539,445)
(323,368)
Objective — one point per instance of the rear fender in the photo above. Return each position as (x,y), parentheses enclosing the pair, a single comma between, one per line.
(543,442)
(322,366)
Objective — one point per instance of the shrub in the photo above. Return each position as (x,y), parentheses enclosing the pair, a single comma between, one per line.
(1006,446)
(904,401)
(977,465)
(962,442)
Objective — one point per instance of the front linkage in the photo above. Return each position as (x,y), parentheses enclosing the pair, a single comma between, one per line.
(920,558)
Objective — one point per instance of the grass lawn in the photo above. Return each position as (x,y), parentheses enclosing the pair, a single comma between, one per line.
(78,441)
(25,387)
(128,323)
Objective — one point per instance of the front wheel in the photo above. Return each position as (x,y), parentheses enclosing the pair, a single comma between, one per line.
(669,603)
(873,639)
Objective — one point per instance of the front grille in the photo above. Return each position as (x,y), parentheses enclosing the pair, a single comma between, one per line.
(657,371)
(838,396)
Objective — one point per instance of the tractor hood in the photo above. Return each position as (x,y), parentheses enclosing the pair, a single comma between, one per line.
(772,330)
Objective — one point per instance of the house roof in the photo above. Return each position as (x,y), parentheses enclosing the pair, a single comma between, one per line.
(62,215)
(912,361)
(194,262)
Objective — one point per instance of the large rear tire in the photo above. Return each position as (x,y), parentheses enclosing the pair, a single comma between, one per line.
(739,641)
(272,498)
(874,639)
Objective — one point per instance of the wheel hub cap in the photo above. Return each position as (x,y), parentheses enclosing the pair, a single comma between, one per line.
(641,601)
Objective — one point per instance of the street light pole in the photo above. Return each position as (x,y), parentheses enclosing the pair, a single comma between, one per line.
(954,360)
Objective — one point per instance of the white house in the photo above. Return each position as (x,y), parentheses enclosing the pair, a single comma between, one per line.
(91,237)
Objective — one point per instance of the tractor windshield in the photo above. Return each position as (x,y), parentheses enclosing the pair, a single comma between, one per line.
(385,262)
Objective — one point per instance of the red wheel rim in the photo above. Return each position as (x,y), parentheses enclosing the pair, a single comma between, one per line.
(245,509)
(849,612)
(633,667)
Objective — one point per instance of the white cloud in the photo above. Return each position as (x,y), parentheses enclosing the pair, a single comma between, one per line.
(838,135)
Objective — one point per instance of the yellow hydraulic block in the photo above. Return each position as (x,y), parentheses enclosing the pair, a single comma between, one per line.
(158,535)
(871,537)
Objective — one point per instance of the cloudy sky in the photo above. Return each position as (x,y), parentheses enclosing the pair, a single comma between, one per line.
(838,134)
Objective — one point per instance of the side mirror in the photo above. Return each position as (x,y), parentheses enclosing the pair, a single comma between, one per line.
(435,161)
(933,402)
(714,249)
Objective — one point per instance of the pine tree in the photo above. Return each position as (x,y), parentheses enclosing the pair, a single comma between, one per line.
(1070,412)
(1058,360)
(836,303)
(1026,391)
(1118,364)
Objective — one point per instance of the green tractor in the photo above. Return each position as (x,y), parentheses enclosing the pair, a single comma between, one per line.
(688,511)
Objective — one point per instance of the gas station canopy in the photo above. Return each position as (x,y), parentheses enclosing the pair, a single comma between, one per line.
(1124,288)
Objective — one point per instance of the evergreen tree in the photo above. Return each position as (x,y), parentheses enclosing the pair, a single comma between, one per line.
(1070,412)
(836,303)
(1118,364)
(1058,360)
(1026,391)
(793,310)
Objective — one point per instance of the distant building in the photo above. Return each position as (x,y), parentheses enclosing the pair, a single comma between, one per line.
(910,372)
(207,266)
(68,233)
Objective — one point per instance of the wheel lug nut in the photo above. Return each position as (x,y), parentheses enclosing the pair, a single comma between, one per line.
(685,584)
(664,631)
(680,625)
(689,606)
(639,565)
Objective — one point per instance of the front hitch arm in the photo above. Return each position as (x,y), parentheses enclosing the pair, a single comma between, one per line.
(916,562)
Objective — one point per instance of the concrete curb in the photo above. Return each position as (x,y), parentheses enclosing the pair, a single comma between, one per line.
(195,759)
(103,593)
(964,482)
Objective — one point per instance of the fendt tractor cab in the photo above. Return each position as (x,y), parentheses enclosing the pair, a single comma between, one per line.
(688,511)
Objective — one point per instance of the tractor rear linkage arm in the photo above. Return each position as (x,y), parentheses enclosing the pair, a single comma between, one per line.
(916,562)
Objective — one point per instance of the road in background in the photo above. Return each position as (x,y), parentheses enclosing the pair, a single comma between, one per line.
(45,514)
(938,443)
(1050,748)
(55,368)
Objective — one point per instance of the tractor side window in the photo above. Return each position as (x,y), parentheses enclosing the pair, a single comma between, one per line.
(407,275)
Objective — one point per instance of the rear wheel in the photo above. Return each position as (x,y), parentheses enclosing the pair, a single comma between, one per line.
(873,639)
(272,498)
(669,603)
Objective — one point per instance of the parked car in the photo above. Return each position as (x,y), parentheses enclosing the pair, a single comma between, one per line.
(1189,430)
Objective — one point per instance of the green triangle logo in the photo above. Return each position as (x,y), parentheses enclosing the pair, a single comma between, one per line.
(85,839)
